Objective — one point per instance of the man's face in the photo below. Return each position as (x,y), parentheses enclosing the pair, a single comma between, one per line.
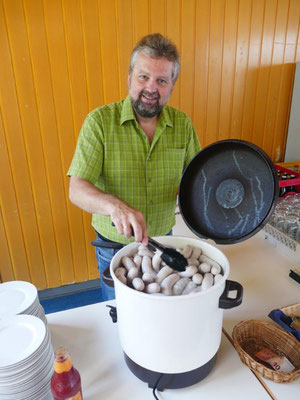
(150,85)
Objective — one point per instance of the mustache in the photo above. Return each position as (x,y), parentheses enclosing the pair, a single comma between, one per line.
(150,95)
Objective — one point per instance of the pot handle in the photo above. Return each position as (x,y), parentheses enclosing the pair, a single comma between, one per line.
(113,313)
(226,302)
(107,279)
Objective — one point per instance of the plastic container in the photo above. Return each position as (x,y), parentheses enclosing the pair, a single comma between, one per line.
(283,317)
(289,183)
(292,165)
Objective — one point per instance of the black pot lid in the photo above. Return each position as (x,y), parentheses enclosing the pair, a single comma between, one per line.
(228,191)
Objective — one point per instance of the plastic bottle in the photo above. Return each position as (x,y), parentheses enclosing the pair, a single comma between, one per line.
(65,381)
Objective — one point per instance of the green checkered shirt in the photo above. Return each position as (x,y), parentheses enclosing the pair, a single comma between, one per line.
(114,154)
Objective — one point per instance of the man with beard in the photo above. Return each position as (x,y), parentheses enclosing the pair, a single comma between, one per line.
(131,154)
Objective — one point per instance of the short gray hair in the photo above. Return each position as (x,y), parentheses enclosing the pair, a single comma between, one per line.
(157,46)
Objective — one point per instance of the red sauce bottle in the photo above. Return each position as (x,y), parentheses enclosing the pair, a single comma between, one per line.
(65,381)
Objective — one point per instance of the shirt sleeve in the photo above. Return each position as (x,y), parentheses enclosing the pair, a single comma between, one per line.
(87,161)
(193,144)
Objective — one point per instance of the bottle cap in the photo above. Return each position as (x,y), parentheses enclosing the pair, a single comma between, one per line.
(62,361)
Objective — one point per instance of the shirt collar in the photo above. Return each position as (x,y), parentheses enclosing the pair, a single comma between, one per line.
(127,114)
(164,118)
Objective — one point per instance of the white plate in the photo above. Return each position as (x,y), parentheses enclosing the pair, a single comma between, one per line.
(22,373)
(20,337)
(16,297)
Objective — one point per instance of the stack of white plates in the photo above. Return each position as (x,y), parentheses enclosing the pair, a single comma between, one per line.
(19,297)
(26,359)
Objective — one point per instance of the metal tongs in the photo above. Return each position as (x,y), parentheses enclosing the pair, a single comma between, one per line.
(170,256)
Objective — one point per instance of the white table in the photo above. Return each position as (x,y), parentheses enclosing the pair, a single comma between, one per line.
(93,342)
(263,271)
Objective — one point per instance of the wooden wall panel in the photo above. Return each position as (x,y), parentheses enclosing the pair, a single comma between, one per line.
(173,31)
(110,49)
(291,56)
(275,79)
(92,56)
(202,44)
(215,58)
(140,18)
(263,80)
(188,68)
(228,67)
(240,72)
(125,37)
(58,60)
(62,58)
(26,230)
(49,136)
(12,248)
(157,16)
(79,95)
(22,62)
(254,52)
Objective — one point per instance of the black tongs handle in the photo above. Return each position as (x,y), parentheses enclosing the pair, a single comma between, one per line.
(155,244)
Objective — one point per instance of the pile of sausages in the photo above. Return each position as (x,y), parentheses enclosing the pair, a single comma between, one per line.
(146,272)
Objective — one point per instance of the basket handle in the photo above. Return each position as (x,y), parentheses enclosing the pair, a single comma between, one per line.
(226,302)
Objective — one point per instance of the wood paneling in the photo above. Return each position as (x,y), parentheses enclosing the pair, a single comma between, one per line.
(62,58)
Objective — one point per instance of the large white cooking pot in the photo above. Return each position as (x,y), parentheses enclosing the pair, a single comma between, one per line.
(172,334)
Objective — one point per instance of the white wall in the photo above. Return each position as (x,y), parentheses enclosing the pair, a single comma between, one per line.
(292,152)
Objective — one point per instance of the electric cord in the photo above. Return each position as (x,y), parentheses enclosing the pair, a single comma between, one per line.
(155,386)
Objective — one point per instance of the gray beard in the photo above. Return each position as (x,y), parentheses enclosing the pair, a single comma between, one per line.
(145,112)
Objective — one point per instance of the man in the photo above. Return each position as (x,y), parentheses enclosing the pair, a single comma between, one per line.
(130,155)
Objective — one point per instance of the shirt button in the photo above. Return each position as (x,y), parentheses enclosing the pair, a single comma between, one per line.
(151,202)
(148,159)
(149,179)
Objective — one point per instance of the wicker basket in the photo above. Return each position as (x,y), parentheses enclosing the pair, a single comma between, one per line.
(251,336)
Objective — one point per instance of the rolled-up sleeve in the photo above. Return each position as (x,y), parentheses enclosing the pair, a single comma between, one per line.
(193,145)
(87,161)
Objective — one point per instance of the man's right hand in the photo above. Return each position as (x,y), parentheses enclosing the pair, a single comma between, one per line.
(128,221)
